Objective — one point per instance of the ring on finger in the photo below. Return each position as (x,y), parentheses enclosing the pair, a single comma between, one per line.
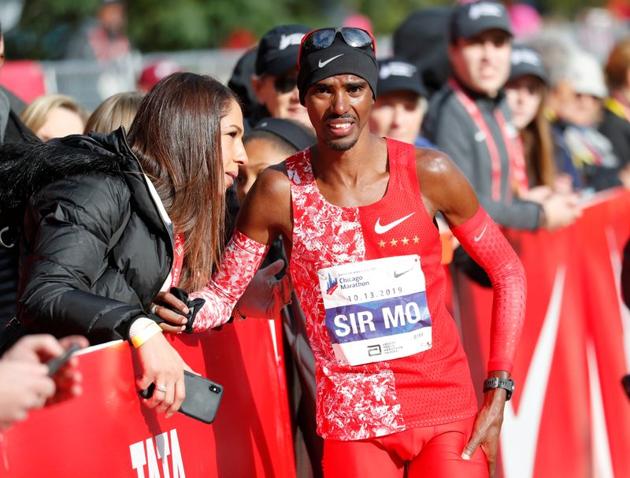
(161,388)
(153,309)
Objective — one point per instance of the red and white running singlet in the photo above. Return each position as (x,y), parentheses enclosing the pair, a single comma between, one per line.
(388,354)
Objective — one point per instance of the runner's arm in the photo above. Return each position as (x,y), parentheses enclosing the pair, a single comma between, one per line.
(445,189)
(264,214)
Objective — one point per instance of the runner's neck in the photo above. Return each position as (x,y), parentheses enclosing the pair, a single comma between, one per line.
(349,168)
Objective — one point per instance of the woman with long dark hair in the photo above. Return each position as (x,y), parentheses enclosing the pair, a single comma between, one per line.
(110,221)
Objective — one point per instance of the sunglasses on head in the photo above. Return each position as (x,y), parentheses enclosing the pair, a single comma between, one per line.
(285,84)
(324,37)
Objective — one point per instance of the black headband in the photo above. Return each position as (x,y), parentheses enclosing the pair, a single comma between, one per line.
(338,59)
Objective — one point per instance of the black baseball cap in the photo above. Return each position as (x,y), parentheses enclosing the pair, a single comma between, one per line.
(241,81)
(471,19)
(420,40)
(278,49)
(289,131)
(527,61)
(396,74)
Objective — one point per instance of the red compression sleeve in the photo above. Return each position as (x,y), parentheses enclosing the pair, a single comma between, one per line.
(485,243)
(241,259)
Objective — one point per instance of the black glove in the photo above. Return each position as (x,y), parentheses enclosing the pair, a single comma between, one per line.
(194,306)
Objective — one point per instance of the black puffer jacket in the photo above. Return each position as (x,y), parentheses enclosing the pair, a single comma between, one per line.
(14,132)
(94,248)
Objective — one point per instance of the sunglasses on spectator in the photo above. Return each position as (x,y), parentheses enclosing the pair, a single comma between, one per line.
(285,84)
(324,37)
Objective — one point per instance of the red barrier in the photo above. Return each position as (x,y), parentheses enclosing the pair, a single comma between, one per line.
(107,432)
(569,416)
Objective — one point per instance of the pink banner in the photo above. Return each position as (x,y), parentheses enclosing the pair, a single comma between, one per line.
(108,432)
(569,415)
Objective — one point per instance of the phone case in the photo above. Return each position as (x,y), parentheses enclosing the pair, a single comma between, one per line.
(203,397)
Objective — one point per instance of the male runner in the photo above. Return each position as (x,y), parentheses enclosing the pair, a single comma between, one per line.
(394,392)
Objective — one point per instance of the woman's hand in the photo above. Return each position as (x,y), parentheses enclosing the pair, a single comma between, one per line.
(161,365)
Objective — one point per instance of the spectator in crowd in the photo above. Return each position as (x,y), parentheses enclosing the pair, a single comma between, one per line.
(54,116)
(420,39)
(154,72)
(240,82)
(116,218)
(270,142)
(470,120)
(526,92)
(576,102)
(104,39)
(116,111)
(26,384)
(400,103)
(275,81)
(616,123)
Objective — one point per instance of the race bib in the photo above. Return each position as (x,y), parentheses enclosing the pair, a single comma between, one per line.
(376,310)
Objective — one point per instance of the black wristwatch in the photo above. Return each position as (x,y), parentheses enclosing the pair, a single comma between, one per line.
(506,384)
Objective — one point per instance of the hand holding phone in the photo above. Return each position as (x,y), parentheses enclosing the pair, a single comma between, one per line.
(203,397)
(56,363)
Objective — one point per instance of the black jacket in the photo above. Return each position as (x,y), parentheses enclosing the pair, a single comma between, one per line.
(14,132)
(448,125)
(94,248)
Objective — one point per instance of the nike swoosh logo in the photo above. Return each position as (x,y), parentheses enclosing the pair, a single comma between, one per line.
(478,238)
(322,64)
(398,274)
(382,229)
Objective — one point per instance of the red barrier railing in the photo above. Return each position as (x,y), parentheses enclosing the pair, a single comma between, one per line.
(569,415)
(107,431)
